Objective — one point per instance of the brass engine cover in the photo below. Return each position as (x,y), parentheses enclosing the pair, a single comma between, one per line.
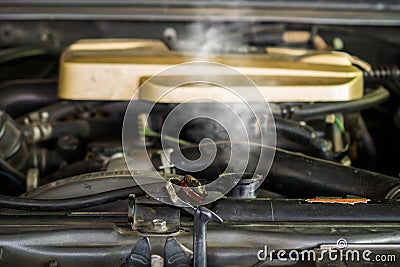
(113,69)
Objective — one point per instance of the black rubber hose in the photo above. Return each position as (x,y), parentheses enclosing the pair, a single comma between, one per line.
(76,203)
(10,185)
(63,109)
(15,179)
(369,100)
(297,175)
(79,128)
(90,128)
(19,97)
(304,134)
(4,165)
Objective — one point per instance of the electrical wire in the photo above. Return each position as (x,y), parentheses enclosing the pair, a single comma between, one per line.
(13,179)
(20,203)
(5,166)
(369,100)
(150,133)
(339,124)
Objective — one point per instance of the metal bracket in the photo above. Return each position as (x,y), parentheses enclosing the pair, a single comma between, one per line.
(148,215)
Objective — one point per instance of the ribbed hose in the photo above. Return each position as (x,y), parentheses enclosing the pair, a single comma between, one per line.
(19,97)
(379,73)
(303,134)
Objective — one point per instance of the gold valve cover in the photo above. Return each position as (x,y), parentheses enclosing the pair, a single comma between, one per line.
(114,69)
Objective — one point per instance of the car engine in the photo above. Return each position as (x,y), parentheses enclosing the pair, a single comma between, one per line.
(209,134)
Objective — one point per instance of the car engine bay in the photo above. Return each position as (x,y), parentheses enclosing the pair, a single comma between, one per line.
(151,138)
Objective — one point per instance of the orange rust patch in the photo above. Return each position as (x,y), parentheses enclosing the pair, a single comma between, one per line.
(350,201)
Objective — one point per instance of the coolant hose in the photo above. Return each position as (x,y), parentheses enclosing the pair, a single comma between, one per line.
(296,175)
(19,97)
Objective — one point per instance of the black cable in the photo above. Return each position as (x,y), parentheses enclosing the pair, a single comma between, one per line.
(18,186)
(20,203)
(5,166)
(16,53)
(369,100)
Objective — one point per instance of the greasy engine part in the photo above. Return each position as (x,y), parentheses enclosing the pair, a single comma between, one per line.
(190,189)
(13,148)
(110,69)
(247,186)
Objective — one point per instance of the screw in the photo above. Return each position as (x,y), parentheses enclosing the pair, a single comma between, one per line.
(52,263)
(44,116)
(159,225)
